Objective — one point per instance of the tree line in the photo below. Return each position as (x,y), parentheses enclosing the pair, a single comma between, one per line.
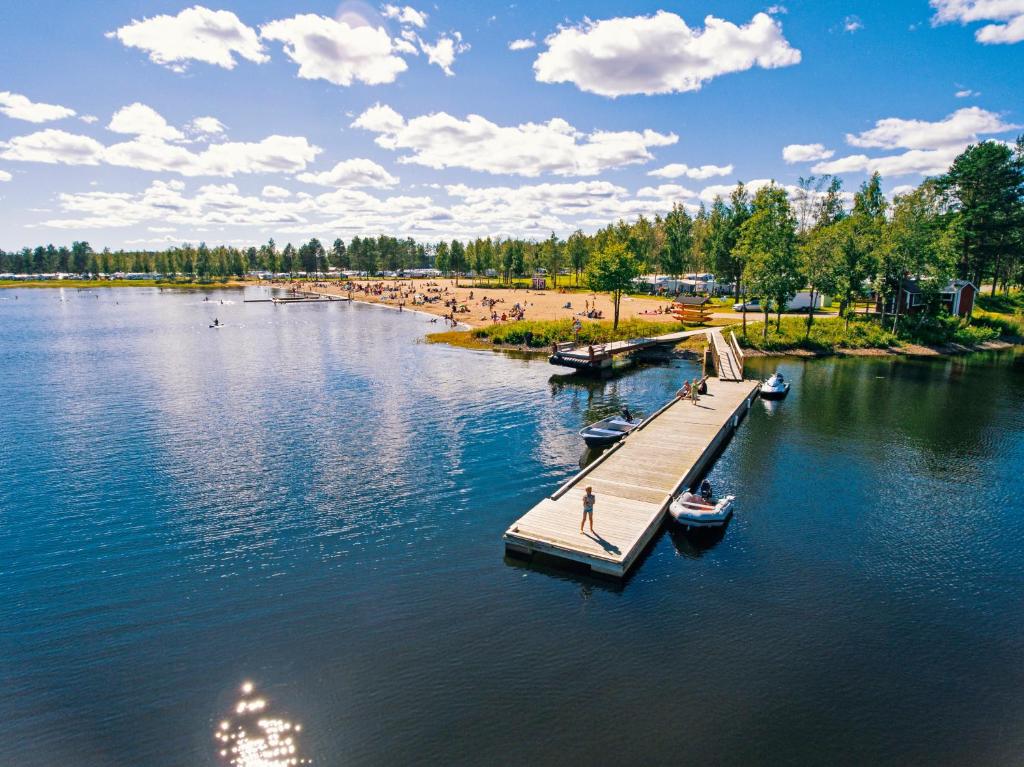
(967,223)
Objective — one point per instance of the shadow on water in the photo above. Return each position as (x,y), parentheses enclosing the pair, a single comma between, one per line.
(566,570)
(621,369)
(591,454)
(694,543)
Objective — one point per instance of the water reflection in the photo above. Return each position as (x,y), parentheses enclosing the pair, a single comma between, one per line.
(696,542)
(253,738)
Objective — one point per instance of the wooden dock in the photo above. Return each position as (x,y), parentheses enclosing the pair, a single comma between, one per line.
(634,483)
(599,356)
(727,354)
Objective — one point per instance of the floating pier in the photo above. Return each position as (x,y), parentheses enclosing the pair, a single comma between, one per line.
(634,483)
(596,357)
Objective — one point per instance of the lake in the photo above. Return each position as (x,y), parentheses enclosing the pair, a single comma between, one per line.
(311,500)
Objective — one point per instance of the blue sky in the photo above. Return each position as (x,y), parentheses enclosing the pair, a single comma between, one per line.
(354,118)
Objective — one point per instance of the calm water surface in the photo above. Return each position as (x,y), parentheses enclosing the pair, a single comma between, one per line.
(312,499)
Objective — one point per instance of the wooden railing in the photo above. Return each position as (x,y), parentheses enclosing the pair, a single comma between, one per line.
(740,357)
(715,354)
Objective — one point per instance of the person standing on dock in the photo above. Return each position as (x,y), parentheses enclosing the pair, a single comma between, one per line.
(588,508)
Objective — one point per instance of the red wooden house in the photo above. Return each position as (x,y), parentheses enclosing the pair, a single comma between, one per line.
(957,297)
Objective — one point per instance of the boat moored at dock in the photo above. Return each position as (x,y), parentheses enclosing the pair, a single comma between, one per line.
(775,387)
(608,430)
(690,510)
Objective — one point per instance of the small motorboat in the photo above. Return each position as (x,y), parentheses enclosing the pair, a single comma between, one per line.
(608,431)
(693,510)
(776,387)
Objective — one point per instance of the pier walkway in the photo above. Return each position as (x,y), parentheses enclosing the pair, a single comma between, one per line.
(580,358)
(634,483)
(729,357)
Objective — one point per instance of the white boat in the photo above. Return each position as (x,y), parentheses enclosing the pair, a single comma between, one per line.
(776,387)
(691,510)
(607,431)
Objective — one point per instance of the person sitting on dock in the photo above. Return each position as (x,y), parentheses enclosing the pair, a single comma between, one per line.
(588,508)
(684,393)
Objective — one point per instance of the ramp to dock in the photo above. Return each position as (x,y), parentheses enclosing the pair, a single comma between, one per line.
(634,483)
(728,355)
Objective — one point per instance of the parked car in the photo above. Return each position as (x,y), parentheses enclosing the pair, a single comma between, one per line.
(752,305)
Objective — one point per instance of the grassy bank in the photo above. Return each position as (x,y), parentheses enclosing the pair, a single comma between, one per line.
(541,334)
(75,284)
(1002,312)
(829,335)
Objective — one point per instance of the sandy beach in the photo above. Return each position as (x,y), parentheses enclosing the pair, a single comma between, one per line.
(535,304)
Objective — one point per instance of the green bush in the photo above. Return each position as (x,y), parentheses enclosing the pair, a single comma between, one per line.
(830,333)
(827,334)
(547,332)
(935,329)
(1011,326)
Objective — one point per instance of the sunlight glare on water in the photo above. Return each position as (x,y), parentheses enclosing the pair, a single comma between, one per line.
(254,738)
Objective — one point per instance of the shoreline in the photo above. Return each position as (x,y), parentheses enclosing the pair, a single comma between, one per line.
(464,330)
(464,339)
(919,351)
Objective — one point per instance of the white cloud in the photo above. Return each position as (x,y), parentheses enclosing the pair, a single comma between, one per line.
(53,146)
(380,118)
(275,192)
(89,119)
(926,162)
(274,154)
(405,46)
(20,107)
(206,126)
(522,44)
(805,153)
(957,129)
(852,24)
(406,15)
(676,169)
(441,140)
(666,192)
(709,193)
(931,146)
(902,189)
(141,120)
(659,53)
(195,34)
(5,176)
(1002,34)
(1009,15)
(528,210)
(443,52)
(331,50)
(966,93)
(352,173)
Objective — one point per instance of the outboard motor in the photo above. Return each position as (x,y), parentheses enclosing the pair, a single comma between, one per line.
(705,490)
